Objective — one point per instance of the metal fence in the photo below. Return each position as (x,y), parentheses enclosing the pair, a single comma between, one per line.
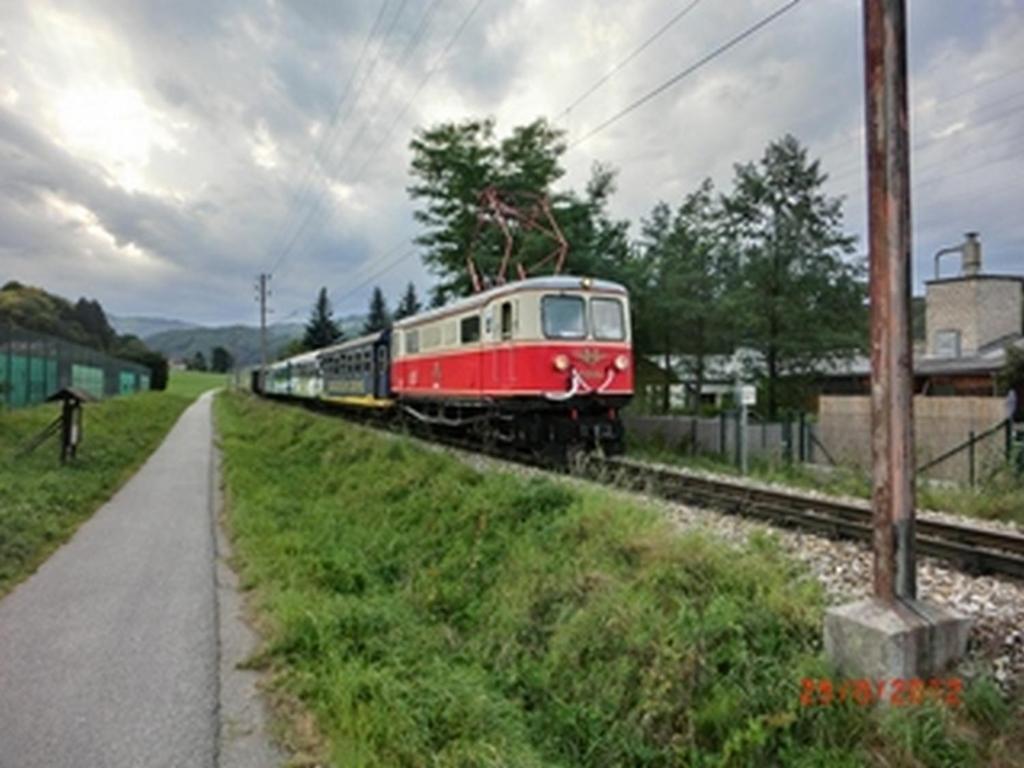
(791,439)
(34,365)
(980,456)
(972,460)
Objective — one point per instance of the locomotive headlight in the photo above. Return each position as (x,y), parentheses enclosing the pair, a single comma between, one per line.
(561,362)
(622,362)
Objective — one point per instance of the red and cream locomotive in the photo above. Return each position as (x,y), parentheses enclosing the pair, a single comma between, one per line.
(543,364)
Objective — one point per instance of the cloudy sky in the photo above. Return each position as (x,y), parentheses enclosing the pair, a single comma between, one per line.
(159,155)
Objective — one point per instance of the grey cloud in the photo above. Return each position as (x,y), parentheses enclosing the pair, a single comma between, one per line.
(219,70)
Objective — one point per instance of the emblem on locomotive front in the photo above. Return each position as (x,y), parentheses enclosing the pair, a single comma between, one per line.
(590,356)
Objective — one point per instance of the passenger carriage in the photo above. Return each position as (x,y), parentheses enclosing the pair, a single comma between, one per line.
(297,376)
(356,372)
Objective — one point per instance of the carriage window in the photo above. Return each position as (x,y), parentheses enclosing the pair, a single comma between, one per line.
(606,318)
(563,317)
(412,342)
(470,330)
(506,320)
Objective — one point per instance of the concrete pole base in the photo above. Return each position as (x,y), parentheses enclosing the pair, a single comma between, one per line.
(905,639)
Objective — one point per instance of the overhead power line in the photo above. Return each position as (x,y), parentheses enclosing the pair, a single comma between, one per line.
(439,61)
(318,211)
(318,154)
(699,64)
(370,278)
(849,169)
(636,52)
(360,88)
(422,84)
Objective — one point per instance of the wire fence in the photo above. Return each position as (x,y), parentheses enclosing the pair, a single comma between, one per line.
(980,456)
(35,365)
(973,458)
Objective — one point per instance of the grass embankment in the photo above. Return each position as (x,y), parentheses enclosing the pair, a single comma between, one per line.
(429,614)
(999,496)
(41,502)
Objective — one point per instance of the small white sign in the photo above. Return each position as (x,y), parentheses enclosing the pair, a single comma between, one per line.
(748,394)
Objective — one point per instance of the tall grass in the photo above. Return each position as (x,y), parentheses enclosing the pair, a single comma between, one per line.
(429,614)
(42,503)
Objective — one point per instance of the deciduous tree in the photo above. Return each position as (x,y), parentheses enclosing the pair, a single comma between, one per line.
(454,162)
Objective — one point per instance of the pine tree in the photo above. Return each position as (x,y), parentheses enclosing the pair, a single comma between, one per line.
(684,280)
(379,318)
(221,361)
(409,305)
(321,330)
(800,298)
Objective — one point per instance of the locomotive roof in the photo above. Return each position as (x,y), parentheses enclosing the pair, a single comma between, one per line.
(550,283)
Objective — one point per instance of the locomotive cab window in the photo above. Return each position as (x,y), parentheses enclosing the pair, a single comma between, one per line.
(469,330)
(607,320)
(563,317)
(412,342)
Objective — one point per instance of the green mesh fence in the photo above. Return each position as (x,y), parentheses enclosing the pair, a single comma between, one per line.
(34,365)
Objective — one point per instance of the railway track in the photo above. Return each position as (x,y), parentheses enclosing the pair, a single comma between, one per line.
(967,547)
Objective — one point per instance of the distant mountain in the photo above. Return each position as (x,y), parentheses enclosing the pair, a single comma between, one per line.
(242,341)
(147,326)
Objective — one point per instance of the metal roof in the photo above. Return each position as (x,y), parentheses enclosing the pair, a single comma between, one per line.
(359,341)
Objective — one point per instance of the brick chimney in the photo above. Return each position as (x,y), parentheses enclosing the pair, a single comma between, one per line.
(969,311)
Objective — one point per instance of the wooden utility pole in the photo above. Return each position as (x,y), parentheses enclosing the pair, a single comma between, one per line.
(892,438)
(263,292)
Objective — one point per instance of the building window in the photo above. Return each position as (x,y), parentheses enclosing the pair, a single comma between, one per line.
(947,343)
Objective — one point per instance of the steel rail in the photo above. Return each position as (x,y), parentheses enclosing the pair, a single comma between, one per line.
(968,547)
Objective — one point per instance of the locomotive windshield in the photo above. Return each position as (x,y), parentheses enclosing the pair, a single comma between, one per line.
(606,318)
(564,317)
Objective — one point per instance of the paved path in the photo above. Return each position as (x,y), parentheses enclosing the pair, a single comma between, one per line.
(110,653)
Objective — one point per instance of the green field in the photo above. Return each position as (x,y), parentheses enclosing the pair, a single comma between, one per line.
(41,502)
(428,614)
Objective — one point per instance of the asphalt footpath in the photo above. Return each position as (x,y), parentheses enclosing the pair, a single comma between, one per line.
(122,649)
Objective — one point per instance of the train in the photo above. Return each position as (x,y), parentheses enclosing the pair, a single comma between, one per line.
(542,365)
